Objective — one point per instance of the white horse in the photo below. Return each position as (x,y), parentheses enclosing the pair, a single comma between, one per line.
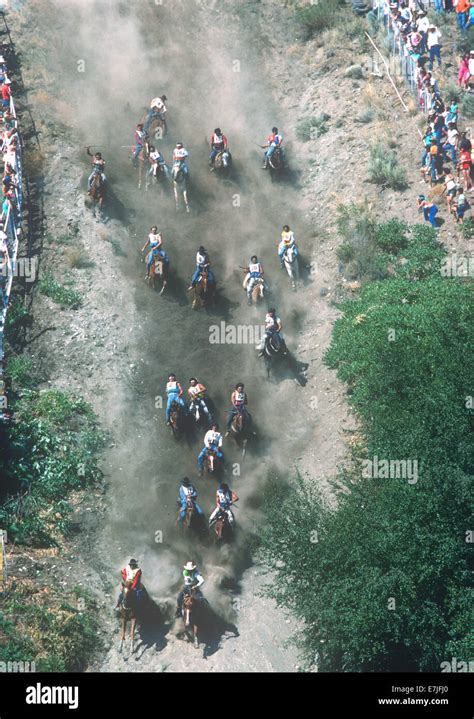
(180,183)
(290,261)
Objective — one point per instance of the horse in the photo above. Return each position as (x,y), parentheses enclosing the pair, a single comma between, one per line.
(141,159)
(157,127)
(154,176)
(192,604)
(97,193)
(192,518)
(180,183)
(127,613)
(222,527)
(158,269)
(176,419)
(198,412)
(223,163)
(291,263)
(212,462)
(275,163)
(241,429)
(258,291)
(274,347)
(204,291)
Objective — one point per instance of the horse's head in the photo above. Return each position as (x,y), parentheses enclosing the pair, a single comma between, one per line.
(177,172)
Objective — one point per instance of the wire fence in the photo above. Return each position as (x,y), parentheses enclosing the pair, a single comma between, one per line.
(403,59)
(10,217)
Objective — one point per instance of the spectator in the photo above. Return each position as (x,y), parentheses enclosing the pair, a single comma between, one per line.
(464,166)
(433,44)
(470,18)
(429,209)
(462,8)
(450,188)
(5,91)
(422,25)
(452,141)
(439,6)
(463,74)
(460,207)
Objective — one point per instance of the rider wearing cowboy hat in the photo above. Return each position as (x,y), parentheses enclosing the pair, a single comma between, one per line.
(192,581)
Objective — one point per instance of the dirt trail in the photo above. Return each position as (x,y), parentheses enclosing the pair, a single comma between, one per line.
(129,339)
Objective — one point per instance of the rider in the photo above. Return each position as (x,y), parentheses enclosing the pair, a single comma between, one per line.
(187,491)
(197,392)
(131,573)
(218,144)
(254,273)
(202,262)
(157,160)
(239,401)
(273,141)
(273,326)
(287,241)
(193,580)
(179,157)
(225,497)
(157,111)
(154,241)
(98,165)
(140,141)
(212,440)
(174,392)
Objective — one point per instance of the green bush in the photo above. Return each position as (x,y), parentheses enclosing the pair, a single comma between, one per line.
(312,127)
(57,637)
(316,18)
(452,93)
(50,451)
(467,229)
(63,296)
(467,106)
(402,347)
(19,370)
(384,168)
(391,236)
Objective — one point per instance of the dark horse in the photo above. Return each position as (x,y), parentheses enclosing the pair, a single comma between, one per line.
(97,193)
(275,163)
(192,518)
(204,291)
(241,428)
(222,527)
(276,352)
(177,419)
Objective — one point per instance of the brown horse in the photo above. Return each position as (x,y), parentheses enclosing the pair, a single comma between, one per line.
(176,419)
(212,462)
(158,272)
(97,193)
(127,614)
(204,291)
(189,611)
(222,527)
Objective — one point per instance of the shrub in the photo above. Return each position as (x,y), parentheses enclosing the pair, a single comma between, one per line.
(19,371)
(391,236)
(78,259)
(319,17)
(50,452)
(452,93)
(467,228)
(311,128)
(63,296)
(384,168)
(366,116)
(467,105)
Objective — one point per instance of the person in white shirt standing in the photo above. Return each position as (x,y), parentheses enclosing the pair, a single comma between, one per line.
(433,43)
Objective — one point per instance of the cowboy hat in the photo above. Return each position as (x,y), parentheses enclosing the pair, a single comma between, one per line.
(190,566)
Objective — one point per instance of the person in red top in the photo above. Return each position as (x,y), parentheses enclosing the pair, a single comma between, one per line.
(6,94)
(131,573)
(464,165)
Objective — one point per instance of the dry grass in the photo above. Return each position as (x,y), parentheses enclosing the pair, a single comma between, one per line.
(77,258)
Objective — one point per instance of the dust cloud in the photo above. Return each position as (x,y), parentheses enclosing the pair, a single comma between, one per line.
(112,58)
